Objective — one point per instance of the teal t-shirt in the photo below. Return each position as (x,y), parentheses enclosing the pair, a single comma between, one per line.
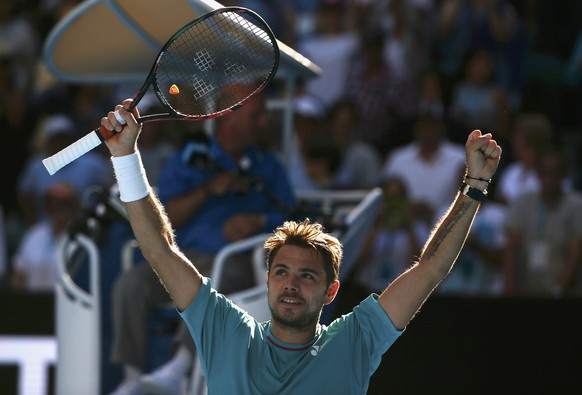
(239,355)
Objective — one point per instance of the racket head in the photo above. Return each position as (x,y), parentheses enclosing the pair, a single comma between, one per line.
(213,65)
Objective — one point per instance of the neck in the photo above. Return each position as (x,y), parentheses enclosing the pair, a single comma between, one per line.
(292,335)
(427,151)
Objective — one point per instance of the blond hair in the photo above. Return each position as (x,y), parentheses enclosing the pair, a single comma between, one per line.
(307,234)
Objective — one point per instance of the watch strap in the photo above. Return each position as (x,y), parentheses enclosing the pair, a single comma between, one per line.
(473,193)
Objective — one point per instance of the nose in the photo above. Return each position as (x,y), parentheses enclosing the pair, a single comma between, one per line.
(292,284)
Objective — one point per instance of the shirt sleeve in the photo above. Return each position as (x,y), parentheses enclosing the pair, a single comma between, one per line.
(378,329)
(216,325)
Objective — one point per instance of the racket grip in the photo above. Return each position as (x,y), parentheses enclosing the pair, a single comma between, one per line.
(72,152)
(118,117)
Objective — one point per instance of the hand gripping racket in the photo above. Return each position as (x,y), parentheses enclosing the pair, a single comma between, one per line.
(207,69)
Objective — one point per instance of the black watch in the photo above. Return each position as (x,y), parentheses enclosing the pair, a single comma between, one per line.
(473,193)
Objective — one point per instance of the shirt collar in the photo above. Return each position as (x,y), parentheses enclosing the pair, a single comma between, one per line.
(291,346)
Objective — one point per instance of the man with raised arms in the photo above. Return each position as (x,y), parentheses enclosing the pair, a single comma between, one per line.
(293,353)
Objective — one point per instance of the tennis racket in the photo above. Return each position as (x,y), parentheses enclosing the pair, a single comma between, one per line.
(209,68)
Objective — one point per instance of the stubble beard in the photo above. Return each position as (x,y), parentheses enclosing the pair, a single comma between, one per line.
(300,322)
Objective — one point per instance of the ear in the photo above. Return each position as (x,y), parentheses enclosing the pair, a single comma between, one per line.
(332,292)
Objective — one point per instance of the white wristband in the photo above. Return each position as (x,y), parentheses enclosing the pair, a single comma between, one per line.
(131,177)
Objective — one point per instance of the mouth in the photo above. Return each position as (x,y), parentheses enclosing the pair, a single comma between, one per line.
(289,301)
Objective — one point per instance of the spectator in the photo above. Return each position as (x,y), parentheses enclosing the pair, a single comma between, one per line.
(544,234)
(322,162)
(431,99)
(394,242)
(309,113)
(331,48)
(216,192)
(272,11)
(301,16)
(407,27)
(547,59)
(431,166)
(36,260)
(465,25)
(477,101)
(532,132)
(359,163)
(55,133)
(18,32)
(386,101)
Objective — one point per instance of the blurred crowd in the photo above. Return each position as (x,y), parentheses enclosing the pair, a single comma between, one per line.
(403,83)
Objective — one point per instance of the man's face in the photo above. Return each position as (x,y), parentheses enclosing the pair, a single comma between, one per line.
(298,287)
(249,120)
(428,132)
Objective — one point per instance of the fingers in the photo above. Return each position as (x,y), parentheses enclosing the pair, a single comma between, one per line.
(486,144)
(491,149)
(121,111)
(483,154)
(483,142)
(473,136)
(107,124)
(117,119)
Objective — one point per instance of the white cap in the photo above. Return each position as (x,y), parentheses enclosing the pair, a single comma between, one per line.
(309,106)
(58,123)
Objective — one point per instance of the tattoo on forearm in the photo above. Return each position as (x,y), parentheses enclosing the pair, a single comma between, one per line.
(445,228)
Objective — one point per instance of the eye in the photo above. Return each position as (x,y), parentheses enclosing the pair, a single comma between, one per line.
(280,272)
(308,276)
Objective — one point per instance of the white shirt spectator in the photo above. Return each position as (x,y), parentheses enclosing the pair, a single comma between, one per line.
(332,54)
(436,181)
(516,179)
(37,257)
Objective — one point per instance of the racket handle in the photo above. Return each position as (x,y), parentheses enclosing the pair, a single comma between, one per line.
(79,147)
(72,152)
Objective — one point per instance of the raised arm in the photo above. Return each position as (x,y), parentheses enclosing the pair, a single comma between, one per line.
(147,216)
(402,299)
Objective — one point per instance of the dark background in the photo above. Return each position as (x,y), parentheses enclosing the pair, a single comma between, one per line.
(455,345)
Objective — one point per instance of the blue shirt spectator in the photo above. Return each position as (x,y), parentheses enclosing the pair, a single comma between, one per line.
(262,187)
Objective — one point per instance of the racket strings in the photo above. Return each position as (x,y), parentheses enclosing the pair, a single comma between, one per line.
(215,65)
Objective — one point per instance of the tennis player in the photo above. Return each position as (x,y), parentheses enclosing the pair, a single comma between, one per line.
(292,353)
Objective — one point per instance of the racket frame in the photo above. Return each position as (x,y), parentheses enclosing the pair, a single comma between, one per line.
(101,134)
(173,114)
